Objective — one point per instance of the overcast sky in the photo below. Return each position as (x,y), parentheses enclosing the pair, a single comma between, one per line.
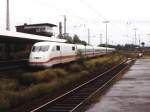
(123,17)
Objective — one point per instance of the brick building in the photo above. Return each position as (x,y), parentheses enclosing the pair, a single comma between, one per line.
(43,29)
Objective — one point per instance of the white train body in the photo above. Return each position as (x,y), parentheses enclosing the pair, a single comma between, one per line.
(46,54)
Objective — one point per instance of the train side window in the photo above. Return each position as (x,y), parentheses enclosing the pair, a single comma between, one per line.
(73,48)
(58,48)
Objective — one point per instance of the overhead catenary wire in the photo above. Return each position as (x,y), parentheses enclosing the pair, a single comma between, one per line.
(93,9)
(97,12)
(93,21)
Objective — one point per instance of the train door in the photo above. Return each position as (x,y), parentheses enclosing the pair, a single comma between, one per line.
(58,54)
(76,52)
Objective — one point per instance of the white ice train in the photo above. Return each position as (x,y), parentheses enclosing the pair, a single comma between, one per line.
(46,54)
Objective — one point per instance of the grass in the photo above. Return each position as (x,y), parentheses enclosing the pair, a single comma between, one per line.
(32,85)
(146,54)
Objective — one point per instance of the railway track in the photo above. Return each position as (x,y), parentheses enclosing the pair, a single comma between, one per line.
(72,100)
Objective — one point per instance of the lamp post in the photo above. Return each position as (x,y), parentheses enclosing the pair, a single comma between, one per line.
(101,39)
(88,36)
(106,22)
(7,16)
(65,19)
(139,40)
(135,29)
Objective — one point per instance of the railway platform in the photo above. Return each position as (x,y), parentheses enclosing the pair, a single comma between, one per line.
(130,94)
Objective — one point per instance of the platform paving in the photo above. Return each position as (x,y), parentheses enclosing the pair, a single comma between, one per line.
(131,94)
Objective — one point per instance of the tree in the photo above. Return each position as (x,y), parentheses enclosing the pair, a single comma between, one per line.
(69,39)
(83,42)
(60,36)
(143,44)
(76,39)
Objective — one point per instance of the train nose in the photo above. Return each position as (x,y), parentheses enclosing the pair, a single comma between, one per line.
(34,57)
(37,58)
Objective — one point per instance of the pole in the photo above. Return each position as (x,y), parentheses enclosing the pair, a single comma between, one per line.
(60,30)
(139,41)
(135,34)
(101,39)
(106,34)
(106,37)
(7,16)
(65,25)
(88,36)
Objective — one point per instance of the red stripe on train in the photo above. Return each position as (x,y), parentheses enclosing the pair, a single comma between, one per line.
(60,58)
(55,58)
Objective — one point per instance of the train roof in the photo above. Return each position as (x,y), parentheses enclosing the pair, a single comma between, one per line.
(17,35)
(52,43)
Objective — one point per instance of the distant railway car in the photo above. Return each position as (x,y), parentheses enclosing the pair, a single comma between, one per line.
(80,50)
(109,50)
(46,54)
(99,51)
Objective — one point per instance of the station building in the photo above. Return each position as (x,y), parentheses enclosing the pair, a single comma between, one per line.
(17,45)
(43,29)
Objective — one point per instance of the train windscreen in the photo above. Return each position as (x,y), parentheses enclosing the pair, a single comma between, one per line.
(40,48)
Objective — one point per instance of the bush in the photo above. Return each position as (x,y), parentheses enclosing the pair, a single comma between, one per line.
(83,73)
(4,102)
(33,85)
(8,84)
(12,98)
(92,64)
(75,68)
(44,76)
(27,79)
(60,73)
